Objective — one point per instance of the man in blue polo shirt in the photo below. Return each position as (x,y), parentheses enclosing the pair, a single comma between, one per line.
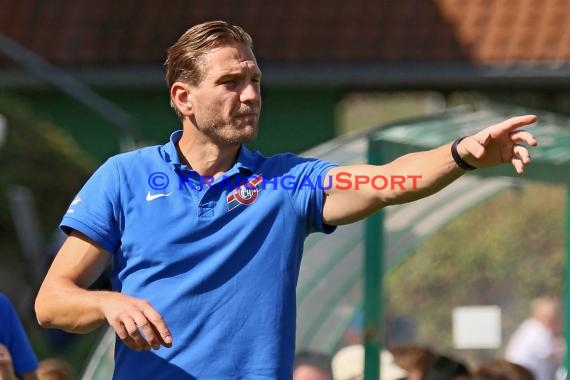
(206,236)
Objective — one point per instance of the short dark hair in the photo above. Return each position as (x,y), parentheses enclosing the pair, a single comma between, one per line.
(446,368)
(182,61)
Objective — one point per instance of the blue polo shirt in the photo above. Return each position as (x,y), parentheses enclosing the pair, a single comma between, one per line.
(13,336)
(220,261)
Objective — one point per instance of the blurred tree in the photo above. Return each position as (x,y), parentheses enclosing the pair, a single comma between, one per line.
(504,252)
(42,158)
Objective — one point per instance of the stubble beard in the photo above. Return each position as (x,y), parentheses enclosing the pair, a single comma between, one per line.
(229,134)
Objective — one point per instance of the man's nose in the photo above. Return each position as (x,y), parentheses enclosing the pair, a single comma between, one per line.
(250,93)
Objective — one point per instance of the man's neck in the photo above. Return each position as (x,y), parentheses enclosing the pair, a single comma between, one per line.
(204,156)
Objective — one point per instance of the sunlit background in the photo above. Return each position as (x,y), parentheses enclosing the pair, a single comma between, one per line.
(83,80)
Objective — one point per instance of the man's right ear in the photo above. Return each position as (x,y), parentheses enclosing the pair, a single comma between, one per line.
(180,97)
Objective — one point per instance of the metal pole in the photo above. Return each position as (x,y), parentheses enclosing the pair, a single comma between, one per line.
(73,87)
(373,287)
(567,279)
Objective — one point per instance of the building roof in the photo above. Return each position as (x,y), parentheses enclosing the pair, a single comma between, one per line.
(105,34)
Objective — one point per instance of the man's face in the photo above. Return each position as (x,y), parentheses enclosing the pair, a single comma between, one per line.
(227,102)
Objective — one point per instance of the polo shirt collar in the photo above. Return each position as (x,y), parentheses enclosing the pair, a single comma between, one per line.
(246,160)
(169,152)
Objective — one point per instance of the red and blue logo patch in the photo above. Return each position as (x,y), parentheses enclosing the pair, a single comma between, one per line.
(246,193)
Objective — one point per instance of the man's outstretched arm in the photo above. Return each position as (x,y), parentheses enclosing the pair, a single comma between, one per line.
(360,190)
(64,302)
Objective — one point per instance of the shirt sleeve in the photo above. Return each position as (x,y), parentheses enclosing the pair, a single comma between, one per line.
(95,210)
(308,192)
(23,357)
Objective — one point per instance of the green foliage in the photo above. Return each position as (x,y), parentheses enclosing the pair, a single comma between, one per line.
(41,157)
(503,253)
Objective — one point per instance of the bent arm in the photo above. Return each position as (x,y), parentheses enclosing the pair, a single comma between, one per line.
(360,190)
(63,300)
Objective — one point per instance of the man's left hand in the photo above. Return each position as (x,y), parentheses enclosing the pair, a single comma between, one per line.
(500,143)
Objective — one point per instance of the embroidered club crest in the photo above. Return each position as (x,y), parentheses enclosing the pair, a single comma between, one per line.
(246,193)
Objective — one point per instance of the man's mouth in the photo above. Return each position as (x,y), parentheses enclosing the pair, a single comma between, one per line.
(251,114)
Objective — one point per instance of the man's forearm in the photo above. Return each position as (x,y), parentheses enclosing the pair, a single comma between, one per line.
(65,306)
(359,190)
(433,170)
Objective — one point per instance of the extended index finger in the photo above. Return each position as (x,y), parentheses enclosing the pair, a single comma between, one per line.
(516,122)
(159,325)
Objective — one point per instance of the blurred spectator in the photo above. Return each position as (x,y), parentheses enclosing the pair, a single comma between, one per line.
(400,330)
(537,344)
(17,359)
(55,369)
(501,369)
(312,366)
(6,366)
(348,364)
(446,368)
(416,360)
